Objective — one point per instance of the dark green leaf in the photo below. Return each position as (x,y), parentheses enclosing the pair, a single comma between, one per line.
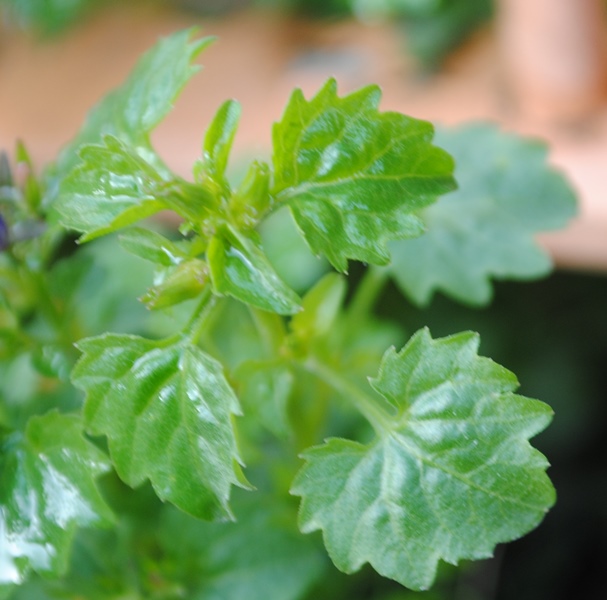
(47,491)
(167,412)
(451,475)
(507,194)
(354,177)
(240,269)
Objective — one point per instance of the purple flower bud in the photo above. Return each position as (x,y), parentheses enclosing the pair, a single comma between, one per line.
(4,236)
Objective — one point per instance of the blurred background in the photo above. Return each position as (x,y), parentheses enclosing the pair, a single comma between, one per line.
(535,67)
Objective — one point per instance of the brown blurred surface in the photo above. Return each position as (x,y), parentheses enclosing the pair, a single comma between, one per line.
(46,88)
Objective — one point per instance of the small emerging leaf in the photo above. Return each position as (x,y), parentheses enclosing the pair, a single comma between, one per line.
(186,281)
(452,475)
(166,411)
(240,268)
(320,307)
(218,142)
(47,491)
(507,194)
(354,177)
(251,200)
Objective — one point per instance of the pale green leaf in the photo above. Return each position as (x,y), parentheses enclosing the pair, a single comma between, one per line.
(507,194)
(451,475)
(240,268)
(354,177)
(151,245)
(167,413)
(47,491)
(111,188)
(320,307)
(218,141)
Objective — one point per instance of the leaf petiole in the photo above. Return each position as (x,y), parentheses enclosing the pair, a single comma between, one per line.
(199,320)
(367,293)
(368,406)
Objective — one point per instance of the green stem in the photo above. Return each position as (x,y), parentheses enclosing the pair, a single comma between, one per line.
(367,293)
(199,320)
(379,419)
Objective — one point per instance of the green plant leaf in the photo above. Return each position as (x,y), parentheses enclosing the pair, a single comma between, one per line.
(218,142)
(451,476)
(47,491)
(185,281)
(151,245)
(112,188)
(166,410)
(240,268)
(507,194)
(320,307)
(354,177)
(133,110)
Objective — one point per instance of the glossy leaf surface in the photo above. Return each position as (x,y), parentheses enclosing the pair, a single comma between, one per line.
(166,411)
(113,187)
(47,491)
(240,269)
(354,177)
(507,194)
(451,476)
(151,245)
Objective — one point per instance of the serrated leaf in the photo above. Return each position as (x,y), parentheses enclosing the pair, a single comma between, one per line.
(166,411)
(151,245)
(47,491)
(507,194)
(133,110)
(240,268)
(354,177)
(113,187)
(452,475)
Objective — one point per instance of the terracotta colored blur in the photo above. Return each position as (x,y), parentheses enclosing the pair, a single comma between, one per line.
(553,56)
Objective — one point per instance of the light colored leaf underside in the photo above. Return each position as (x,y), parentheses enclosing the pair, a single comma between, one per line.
(453,476)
